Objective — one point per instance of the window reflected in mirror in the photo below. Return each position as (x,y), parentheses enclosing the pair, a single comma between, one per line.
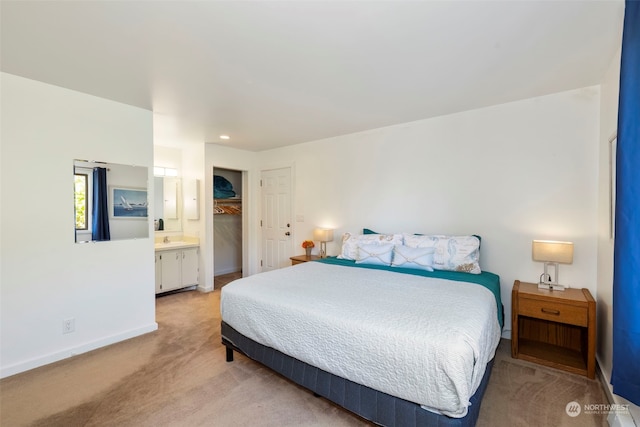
(82,199)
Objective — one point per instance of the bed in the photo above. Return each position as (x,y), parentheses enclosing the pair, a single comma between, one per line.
(397,347)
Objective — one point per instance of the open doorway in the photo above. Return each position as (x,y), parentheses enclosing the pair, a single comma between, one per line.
(227,225)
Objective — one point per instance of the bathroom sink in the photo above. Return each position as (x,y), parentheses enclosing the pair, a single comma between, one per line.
(175,244)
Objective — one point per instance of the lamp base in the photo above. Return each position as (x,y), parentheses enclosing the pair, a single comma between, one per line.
(551,286)
(545,278)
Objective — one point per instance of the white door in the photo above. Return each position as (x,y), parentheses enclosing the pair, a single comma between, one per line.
(276,219)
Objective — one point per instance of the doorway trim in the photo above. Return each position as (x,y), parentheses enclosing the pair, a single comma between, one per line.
(236,221)
(207,270)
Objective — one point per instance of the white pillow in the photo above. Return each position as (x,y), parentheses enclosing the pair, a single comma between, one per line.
(408,257)
(374,253)
(454,253)
(351,241)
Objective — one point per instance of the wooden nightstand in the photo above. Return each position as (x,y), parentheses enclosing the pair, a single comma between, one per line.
(554,328)
(298,259)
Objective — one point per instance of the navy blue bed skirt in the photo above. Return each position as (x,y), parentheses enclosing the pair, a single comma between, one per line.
(373,405)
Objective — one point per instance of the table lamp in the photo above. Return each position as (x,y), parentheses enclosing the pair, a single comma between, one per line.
(323,235)
(552,253)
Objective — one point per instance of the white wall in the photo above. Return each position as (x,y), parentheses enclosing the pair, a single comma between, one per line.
(193,159)
(608,126)
(193,169)
(510,173)
(168,157)
(108,287)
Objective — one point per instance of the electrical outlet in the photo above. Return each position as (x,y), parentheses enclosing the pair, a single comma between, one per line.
(68,325)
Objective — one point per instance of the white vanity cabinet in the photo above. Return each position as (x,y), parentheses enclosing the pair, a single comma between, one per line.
(176,268)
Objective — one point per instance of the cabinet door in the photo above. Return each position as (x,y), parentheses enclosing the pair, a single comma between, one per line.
(158,273)
(191,205)
(190,267)
(171,262)
(170,193)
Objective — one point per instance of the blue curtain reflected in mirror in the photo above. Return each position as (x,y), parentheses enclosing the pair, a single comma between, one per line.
(100,212)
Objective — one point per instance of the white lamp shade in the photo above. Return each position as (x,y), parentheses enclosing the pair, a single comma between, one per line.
(552,251)
(323,234)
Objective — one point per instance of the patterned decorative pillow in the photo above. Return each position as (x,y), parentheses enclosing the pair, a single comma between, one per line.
(454,253)
(408,257)
(350,242)
(374,253)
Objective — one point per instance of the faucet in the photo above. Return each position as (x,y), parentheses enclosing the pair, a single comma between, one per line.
(166,239)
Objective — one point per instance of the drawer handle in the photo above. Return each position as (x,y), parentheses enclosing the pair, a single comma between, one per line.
(549,311)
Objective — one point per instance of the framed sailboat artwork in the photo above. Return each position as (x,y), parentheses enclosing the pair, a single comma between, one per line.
(128,203)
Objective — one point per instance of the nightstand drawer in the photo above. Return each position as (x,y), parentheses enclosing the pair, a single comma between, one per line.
(554,311)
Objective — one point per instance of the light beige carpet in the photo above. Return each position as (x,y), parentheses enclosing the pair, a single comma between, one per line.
(177,376)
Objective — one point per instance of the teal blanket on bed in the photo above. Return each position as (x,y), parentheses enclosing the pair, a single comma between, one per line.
(488,280)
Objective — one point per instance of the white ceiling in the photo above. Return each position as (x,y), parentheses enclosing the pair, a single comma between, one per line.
(275,73)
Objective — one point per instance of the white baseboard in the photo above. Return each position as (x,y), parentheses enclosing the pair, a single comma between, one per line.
(36,362)
(620,420)
(604,381)
(617,418)
(205,289)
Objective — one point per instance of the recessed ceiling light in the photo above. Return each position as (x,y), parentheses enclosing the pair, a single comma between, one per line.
(224,137)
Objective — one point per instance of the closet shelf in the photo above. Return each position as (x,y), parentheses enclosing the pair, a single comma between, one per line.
(227,206)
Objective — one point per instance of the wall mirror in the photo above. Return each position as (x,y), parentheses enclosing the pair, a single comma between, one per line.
(110,201)
(167,203)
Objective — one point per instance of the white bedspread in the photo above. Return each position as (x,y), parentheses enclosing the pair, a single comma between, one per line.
(422,339)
